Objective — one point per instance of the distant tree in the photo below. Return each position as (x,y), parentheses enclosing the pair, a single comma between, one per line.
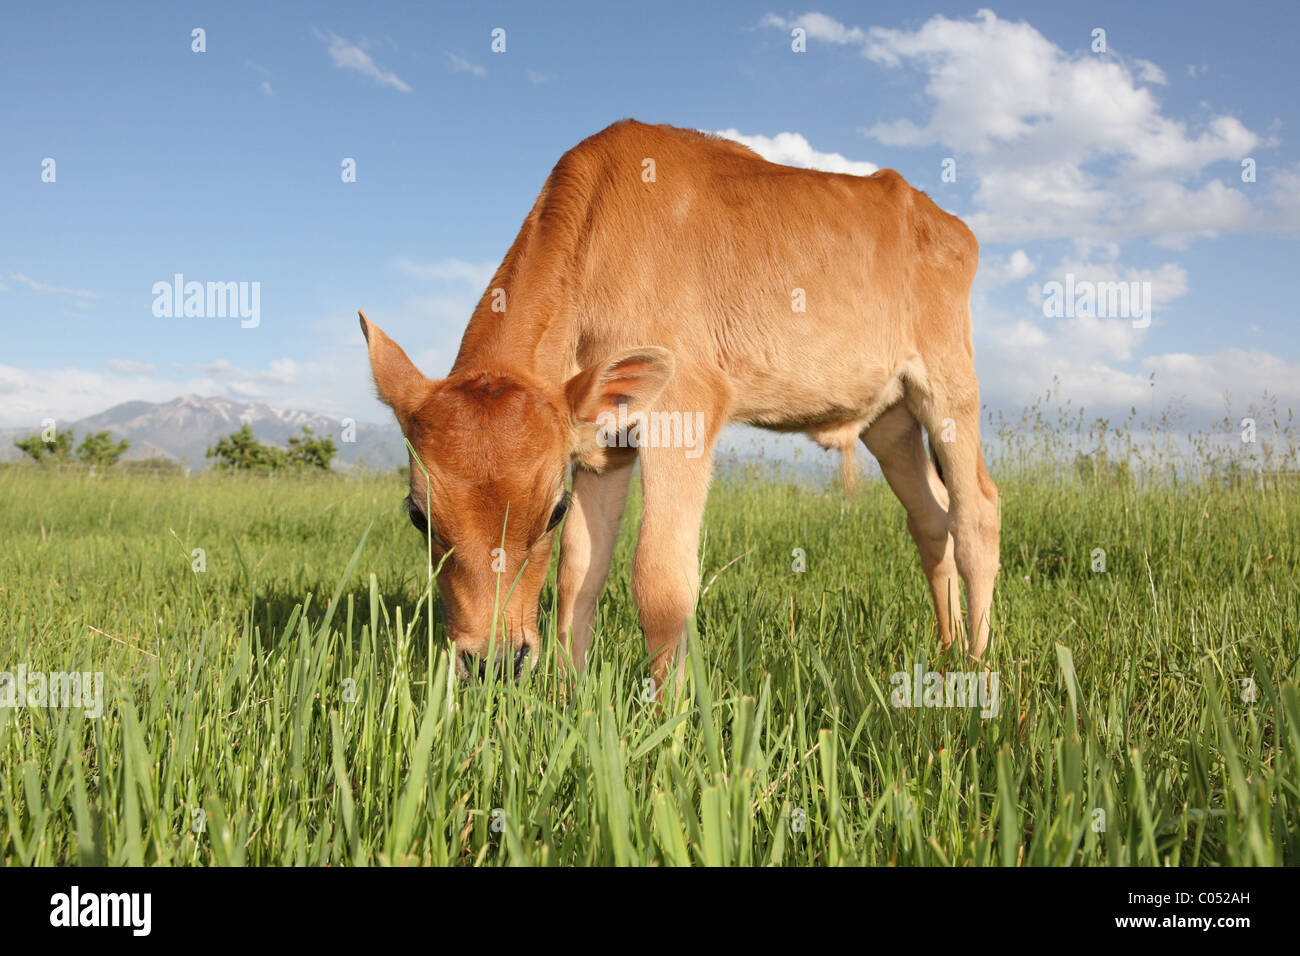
(156,464)
(58,451)
(243,452)
(100,450)
(240,451)
(308,451)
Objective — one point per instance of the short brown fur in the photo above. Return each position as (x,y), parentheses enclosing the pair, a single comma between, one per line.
(678,294)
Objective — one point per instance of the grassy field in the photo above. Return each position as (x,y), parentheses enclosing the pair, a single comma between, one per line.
(290,701)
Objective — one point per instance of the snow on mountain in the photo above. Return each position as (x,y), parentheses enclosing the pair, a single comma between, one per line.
(185,427)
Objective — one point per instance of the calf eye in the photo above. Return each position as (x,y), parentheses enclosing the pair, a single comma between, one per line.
(558,514)
(417,516)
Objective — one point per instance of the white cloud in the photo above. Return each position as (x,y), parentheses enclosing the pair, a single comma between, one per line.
(129,367)
(1021,360)
(998,272)
(334,387)
(476,274)
(791,149)
(461,65)
(265,84)
(1096,360)
(52,289)
(26,397)
(349,56)
(1063,144)
(452,313)
(1084,337)
(1019,335)
(1242,375)
(1148,72)
(818,26)
(252,382)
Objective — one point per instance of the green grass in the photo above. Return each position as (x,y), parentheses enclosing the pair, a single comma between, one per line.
(295,708)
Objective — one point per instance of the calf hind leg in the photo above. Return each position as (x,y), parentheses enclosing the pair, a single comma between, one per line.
(973,497)
(895,440)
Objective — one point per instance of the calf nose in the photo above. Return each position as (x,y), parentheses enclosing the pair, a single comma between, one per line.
(477,666)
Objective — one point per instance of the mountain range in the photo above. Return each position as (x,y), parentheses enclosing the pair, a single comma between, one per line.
(184,428)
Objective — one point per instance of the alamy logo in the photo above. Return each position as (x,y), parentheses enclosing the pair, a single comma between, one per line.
(24,688)
(75,908)
(651,430)
(208,300)
(1083,298)
(954,689)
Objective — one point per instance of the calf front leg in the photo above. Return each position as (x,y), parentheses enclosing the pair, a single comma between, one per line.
(666,569)
(586,546)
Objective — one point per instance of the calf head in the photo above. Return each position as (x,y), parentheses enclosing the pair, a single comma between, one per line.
(491,452)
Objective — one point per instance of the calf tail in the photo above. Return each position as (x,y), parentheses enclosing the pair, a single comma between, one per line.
(849,467)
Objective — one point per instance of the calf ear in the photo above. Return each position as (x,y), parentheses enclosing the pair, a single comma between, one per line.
(401,385)
(633,378)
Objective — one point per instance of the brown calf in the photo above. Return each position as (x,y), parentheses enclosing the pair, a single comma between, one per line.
(667,271)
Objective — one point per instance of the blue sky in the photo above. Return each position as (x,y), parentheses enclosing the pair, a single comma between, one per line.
(225,166)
